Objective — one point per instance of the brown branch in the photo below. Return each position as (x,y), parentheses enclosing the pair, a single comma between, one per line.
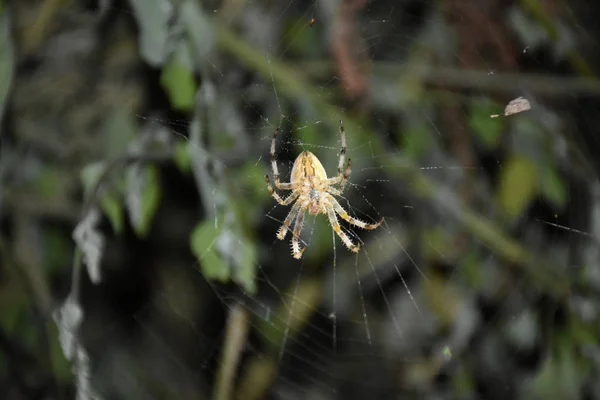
(344,39)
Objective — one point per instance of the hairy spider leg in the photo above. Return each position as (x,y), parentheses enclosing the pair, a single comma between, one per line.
(296,251)
(288,220)
(284,202)
(273,158)
(346,217)
(343,175)
(338,230)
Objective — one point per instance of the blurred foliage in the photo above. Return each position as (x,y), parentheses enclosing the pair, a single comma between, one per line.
(487,218)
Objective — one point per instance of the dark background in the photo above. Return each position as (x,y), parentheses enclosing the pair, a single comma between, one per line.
(137,236)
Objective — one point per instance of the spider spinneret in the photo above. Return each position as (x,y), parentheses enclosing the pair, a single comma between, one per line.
(312,191)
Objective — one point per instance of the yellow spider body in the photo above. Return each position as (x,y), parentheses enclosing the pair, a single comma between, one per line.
(309,176)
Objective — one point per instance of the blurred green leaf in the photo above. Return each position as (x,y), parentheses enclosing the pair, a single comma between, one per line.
(113,209)
(203,243)
(245,273)
(153,21)
(182,157)
(61,367)
(119,130)
(560,377)
(553,187)
(90,174)
(487,129)
(518,185)
(110,203)
(148,192)
(254,179)
(180,85)
(200,29)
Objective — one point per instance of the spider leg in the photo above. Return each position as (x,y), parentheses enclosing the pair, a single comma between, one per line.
(273,158)
(284,202)
(347,173)
(296,251)
(334,191)
(343,149)
(343,174)
(346,217)
(338,229)
(288,220)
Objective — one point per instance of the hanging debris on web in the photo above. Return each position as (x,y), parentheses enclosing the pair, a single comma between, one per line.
(91,242)
(68,319)
(516,106)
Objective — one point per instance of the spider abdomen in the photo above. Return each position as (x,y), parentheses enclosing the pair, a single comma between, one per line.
(306,166)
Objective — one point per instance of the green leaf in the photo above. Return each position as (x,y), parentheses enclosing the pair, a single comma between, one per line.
(518,185)
(180,85)
(90,174)
(487,129)
(144,202)
(245,273)
(119,130)
(203,243)
(113,209)
(153,21)
(553,187)
(560,377)
(110,203)
(199,29)
(182,157)
(61,367)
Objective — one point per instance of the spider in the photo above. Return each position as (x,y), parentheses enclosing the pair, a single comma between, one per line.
(312,191)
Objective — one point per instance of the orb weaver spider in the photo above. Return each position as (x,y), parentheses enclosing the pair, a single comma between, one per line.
(312,191)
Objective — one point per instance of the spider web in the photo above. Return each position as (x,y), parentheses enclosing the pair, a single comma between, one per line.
(437,303)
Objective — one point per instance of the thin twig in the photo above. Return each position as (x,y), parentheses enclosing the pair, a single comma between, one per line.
(481,80)
(235,341)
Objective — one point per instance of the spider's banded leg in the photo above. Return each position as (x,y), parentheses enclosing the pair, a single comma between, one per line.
(341,179)
(288,220)
(346,217)
(338,230)
(343,149)
(334,191)
(273,159)
(288,200)
(346,175)
(343,174)
(296,251)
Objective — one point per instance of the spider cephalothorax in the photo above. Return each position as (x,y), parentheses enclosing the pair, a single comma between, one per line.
(312,191)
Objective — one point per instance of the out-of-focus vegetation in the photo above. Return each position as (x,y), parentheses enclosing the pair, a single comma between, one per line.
(137,237)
